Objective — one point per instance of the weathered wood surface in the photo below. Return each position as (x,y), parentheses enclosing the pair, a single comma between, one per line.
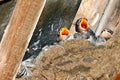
(99,14)
(92,10)
(17,36)
(110,15)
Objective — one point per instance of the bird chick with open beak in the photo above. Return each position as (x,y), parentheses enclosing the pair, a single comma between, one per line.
(64,34)
(81,28)
(84,32)
(81,25)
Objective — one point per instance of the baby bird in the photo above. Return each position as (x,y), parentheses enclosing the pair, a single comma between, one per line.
(84,32)
(81,25)
(81,28)
(106,33)
(64,34)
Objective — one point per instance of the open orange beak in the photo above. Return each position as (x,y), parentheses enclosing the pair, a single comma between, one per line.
(65,31)
(64,34)
(84,24)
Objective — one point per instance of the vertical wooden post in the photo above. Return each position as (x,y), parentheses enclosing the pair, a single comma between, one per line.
(17,36)
(112,5)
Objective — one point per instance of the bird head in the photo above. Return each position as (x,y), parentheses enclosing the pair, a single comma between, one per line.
(106,33)
(81,25)
(64,34)
(64,31)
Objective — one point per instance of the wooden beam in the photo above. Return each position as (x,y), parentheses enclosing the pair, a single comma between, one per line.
(17,36)
(108,14)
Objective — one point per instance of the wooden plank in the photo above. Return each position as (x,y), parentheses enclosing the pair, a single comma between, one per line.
(17,36)
(92,10)
(108,15)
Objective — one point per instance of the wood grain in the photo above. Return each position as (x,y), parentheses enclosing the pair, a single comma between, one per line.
(109,16)
(17,36)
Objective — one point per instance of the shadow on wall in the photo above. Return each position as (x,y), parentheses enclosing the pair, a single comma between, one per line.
(58,13)
(6,8)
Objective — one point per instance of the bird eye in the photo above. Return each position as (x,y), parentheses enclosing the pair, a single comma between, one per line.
(110,31)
